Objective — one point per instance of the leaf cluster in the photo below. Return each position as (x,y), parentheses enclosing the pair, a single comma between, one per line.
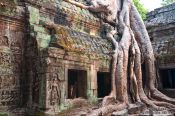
(167,2)
(141,9)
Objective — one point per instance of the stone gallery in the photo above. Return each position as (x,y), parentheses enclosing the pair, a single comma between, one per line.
(40,67)
(53,50)
(160,25)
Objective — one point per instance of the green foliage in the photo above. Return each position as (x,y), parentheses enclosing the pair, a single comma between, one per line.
(8,2)
(65,106)
(14,1)
(91,98)
(4,114)
(167,2)
(143,11)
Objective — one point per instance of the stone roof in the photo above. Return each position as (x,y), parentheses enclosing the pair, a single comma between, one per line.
(65,9)
(75,41)
(163,15)
(161,26)
(77,30)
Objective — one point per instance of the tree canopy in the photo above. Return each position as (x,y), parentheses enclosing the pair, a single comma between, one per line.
(141,9)
(167,2)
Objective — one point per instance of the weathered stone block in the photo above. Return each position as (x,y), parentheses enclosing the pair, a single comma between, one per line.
(39,29)
(43,40)
(33,15)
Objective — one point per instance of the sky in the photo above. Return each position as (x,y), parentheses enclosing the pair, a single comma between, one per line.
(151,4)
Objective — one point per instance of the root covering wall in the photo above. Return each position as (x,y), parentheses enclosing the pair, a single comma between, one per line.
(41,41)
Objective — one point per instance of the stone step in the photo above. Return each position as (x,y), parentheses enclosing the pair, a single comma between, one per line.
(136,108)
(156,113)
(120,113)
(132,109)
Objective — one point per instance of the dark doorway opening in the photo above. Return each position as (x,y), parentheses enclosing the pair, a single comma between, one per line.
(168,78)
(77,83)
(143,75)
(104,84)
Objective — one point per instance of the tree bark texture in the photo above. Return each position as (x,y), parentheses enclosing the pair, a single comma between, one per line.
(131,50)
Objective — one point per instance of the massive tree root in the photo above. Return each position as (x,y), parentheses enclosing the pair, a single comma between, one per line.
(130,51)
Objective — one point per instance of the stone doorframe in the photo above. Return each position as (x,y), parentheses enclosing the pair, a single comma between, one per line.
(78,66)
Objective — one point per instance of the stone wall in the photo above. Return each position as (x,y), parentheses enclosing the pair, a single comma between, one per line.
(40,42)
(161,26)
(12,38)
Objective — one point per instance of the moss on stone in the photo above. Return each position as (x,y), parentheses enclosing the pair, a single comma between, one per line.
(33,15)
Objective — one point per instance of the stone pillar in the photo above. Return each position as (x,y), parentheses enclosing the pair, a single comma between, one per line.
(93,80)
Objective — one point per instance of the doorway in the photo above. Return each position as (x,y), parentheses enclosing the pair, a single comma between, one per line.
(77,83)
(168,78)
(104,84)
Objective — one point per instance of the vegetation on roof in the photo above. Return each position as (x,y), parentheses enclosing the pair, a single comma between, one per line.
(167,2)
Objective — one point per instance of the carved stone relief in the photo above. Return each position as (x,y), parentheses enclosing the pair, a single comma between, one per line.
(10,65)
(54,91)
(55,81)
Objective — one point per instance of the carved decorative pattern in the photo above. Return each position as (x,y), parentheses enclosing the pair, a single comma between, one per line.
(9,81)
(72,40)
(10,63)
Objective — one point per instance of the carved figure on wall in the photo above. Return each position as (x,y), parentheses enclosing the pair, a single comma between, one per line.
(5,52)
(54,90)
(54,96)
(4,41)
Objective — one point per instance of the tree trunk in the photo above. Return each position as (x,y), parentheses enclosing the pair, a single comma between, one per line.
(133,49)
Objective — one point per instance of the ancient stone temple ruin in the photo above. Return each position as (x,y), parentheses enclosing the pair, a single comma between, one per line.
(41,65)
(51,50)
(161,27)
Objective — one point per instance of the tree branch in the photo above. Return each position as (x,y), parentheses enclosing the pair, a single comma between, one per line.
(77,4)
